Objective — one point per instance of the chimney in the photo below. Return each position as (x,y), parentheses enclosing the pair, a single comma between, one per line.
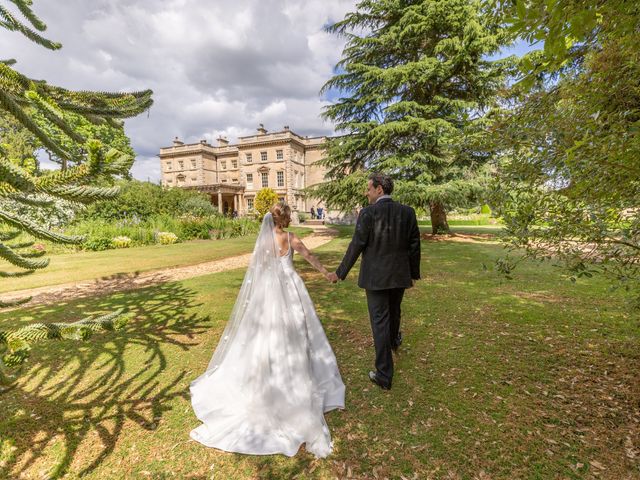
(203,141)
(262,130)
(177,142)
(286,128)
(222,142)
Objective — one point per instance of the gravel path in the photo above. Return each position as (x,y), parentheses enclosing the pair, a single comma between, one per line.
(130,281)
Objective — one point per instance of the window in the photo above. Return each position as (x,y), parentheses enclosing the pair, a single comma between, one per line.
(280,176)
(249,178)
(224,180)
(168,165)
(181,164)
(265,179)
(170,180)
(263,156)
(301,180)
(194,178)
(279,155)
(295,178)
(193,163)
(249,203)
(248,157)
(234,163)
(224,165)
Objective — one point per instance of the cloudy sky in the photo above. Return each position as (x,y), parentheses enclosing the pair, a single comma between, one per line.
(216,67)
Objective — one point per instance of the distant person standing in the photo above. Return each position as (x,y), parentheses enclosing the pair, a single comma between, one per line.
(313,212)
(320,213)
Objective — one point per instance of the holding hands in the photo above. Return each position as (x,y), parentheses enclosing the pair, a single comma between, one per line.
(332,277)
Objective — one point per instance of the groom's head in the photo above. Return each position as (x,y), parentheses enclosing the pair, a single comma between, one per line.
(379,185)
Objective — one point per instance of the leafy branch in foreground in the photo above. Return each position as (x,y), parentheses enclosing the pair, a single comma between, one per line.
(54,116)
(568,187)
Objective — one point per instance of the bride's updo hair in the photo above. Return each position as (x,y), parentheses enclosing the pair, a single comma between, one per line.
(281,214)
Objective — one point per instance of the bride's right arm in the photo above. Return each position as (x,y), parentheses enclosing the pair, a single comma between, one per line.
(301,248)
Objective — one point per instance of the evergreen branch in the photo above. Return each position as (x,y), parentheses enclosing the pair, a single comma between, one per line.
(37,231)
(21,261)
(14,178)
(14,78)
(14,109)
(30,201)
(54,116)
(63,177)
(8,61)
(83,194)
(7,190)
(16,246)
(11,23)
(4,236)
(22,273)
(118,162)
(29,15)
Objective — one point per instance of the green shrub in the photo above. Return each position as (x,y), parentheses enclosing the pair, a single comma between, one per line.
(302,217)
(140,201)
(265,199)
(166,238)
(97,243)
(198,206)
(99,233)
(194,227)
(486,209)
(121,242)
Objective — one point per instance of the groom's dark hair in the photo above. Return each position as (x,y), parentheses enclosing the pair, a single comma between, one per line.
(380,179)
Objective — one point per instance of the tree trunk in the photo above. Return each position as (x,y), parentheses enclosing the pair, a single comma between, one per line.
(439,223)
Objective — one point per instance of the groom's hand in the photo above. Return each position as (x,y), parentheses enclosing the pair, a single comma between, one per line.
(332,277)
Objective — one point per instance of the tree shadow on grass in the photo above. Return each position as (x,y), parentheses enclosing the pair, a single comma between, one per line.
(75,399)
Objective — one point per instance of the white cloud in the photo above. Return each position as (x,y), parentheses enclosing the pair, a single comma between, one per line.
(215,67)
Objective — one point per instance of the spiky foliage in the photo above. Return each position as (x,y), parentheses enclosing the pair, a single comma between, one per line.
(16,344)
(47,112)
(415,81)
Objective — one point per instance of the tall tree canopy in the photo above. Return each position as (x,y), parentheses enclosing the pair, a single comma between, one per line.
(569,185)
(416,83)
(47,112)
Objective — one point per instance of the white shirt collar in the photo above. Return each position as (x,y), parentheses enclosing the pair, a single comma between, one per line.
(383,196)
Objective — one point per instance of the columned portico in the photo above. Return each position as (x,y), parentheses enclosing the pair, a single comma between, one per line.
(225,197)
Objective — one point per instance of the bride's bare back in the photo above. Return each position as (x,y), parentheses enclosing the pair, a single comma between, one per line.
(284,239)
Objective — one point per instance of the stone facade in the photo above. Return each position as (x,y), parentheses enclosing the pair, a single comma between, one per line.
(233,173)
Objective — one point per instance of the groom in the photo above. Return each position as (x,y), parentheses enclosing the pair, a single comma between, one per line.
(388,238)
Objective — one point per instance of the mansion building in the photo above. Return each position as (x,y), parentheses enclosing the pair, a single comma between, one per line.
(232,174)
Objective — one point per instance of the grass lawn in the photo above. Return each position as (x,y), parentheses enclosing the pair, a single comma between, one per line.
(534,378)
(78,266)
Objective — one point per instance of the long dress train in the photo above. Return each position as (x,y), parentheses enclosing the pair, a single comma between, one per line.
(274,374)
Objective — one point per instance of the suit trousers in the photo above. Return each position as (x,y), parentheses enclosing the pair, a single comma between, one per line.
(384,313)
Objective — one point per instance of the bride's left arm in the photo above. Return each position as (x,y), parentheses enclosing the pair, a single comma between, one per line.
(301,248)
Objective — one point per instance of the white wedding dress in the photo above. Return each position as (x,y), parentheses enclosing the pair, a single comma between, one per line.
(273,374)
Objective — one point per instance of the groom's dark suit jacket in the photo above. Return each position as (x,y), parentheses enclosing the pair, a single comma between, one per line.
(388,238)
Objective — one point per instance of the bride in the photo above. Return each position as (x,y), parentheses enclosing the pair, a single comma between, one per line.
(273,374)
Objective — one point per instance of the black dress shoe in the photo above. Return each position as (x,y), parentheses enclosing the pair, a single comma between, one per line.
(373,376)
(397,342)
